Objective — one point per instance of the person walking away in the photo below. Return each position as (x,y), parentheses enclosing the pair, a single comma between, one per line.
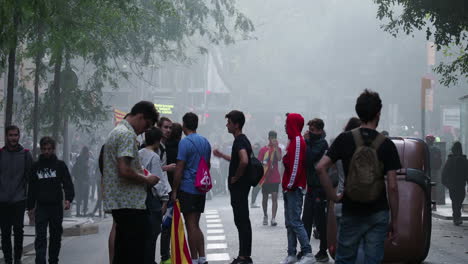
(192,201)
(270,156)
(315,202)
(294,187)
(15,168)
(50,179)
(165,124)
(124,183)
(238,184)
(454,177)
(157,196)
(367,157)
(80,173)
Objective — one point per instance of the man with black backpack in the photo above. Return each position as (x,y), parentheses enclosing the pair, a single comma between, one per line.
(367,157)
(239,183)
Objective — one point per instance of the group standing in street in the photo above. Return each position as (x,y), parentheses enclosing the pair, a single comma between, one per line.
(143,179)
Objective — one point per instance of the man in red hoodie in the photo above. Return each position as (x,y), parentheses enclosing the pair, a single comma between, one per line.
(294,186)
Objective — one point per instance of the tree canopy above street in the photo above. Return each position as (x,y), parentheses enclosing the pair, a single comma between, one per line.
(445,22)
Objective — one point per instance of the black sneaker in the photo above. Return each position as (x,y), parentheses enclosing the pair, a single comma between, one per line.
(242,261)
(316,234)
(322,256)
(299,255)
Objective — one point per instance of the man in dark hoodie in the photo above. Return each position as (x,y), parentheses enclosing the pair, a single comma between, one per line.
(15,166)
(454,177)
(294,186)
(50,178)
(315,201)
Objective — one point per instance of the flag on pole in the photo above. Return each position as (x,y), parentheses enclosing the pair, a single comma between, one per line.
(179,250)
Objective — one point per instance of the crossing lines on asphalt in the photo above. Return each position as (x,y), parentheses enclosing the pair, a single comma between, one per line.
(216,240)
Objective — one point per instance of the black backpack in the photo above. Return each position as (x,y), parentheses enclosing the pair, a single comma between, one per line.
(254,171)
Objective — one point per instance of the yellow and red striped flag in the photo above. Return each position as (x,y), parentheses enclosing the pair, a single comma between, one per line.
(180,253)
(118,116)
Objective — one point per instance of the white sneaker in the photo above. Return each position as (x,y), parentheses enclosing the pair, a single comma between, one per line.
(289,260)
(307,259)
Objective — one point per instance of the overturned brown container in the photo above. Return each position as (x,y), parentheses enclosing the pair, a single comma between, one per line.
(414,216)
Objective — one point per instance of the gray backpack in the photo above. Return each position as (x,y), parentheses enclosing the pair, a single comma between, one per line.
(365,181)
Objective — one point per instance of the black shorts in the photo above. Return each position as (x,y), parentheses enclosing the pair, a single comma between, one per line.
(270,188)
(191,203)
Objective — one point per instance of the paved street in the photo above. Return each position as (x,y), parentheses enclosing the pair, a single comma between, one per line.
(449,243)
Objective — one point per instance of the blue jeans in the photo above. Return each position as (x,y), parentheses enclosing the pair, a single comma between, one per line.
(292,214)
(371,229)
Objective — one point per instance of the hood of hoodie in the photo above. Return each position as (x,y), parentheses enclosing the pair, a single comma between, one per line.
(294,125)
(47,160)
(454,156)
(18,148)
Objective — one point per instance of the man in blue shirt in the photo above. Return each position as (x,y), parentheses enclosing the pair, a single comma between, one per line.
(192,201)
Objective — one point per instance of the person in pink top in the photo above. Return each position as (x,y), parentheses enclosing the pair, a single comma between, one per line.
(270,155)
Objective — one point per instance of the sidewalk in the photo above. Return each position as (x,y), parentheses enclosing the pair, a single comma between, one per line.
(444,212)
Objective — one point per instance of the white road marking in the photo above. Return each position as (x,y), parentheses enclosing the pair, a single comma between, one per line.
(215,231)
(215,238)
(214,225)
(211,216)
(217,257)
(216,246)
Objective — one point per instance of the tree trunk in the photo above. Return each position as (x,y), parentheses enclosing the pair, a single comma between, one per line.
(37,76)
(57,98)
(66,146)
(11,70)
(10,86)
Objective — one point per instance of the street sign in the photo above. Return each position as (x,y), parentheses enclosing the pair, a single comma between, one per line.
(431,53)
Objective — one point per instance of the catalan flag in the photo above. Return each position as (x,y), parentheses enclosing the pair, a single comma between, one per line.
(118,116)
(180,253)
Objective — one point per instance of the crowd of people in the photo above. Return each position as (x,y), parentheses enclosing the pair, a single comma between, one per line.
(141,181)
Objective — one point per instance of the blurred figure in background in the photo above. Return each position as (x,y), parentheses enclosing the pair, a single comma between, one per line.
(454,177)
(80,173)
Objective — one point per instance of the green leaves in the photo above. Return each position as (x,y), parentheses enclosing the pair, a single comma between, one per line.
(444,21)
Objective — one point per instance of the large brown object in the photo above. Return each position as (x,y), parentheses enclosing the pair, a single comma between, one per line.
(414,216)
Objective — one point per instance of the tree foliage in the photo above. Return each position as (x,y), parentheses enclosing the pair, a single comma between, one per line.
(446,22)
(104,34)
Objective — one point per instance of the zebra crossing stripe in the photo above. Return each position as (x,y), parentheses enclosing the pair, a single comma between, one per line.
(215,235)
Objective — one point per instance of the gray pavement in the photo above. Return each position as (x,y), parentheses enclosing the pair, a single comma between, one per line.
(449,242)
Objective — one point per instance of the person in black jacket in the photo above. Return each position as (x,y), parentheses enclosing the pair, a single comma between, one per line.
(80,173)
(454,177)
(50,178)
(315,200)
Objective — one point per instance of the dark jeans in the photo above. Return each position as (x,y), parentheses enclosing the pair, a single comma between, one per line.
(153,204)
(240,207)
(165,243)
(315,207)
(255,191)
(82,196)
(130,236)
(52,216)
(457,195)
(12,216)
(371,229)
